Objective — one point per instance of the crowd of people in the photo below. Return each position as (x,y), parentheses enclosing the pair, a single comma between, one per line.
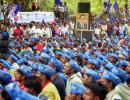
(44,61)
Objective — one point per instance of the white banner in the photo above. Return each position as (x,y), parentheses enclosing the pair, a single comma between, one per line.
(27,17)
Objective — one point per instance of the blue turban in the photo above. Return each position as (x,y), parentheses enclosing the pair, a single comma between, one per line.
(74,65)
(93,74)
(46,70)
(5,77)
(111,77)
(77,88)
(26,71)
(56,63)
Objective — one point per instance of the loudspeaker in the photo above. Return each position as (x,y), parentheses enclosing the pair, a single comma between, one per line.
(88,35)
(105,4)
(83,7)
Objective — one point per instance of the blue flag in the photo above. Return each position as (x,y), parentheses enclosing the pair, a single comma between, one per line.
(115,5)
(18,8)
(57,2)
(109,5)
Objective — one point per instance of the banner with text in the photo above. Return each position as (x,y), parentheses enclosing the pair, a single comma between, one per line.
(27,17)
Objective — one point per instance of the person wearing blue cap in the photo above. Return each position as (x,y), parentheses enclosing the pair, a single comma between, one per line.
(95,91)
(5,77)
(113,58)
(109,80)
(6,64)
(121,91)
(73,72)
(93,64)
(91,76)
(56,80)
(16,93)
(22,74)
(119,72)
(77,91)
(122,64)
(48,89)
(64,58)
(58,54)
(13,59)
(34,86)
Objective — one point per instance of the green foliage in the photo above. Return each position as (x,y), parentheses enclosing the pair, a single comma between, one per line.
(96,5)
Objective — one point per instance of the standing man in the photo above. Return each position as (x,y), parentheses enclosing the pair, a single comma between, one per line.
(4,36)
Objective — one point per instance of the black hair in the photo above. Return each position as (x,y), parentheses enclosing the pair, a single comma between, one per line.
(34,83)
(113,85)
(98,90)
(5,95)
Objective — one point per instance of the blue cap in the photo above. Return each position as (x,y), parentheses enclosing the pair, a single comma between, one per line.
(94,62)
(93,74)
(5,77)
(119,72)
(11,45)
(46,70)
(66,56)
(14,58)
(71,54)
(25,70)
(100,61)
(80,54)
(27,57)
(56,63)
(86,57)
(101,56)
(19,45)
(46,56)
(21,61)
(37,57)
(35,66)
(129,51)
(74,65)
(13,90)
(77,88)
(111,77)
(1,87)
(46,50)
(109,66)
(123,63)
(58,53)
(6,63)
(17,94)
(113,55)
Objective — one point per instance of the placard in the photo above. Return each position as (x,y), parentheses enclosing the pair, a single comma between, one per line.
(82,21)
(27,17)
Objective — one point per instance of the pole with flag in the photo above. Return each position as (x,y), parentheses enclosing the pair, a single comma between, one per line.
(57,2)
(109,5)
(115,6)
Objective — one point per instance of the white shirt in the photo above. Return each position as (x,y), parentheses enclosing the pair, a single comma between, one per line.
(48,32)
(65,29)
(97,31)
(73,79)
(15,66)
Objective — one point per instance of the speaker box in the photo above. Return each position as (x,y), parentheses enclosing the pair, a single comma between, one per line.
(88,35)
(83,7)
